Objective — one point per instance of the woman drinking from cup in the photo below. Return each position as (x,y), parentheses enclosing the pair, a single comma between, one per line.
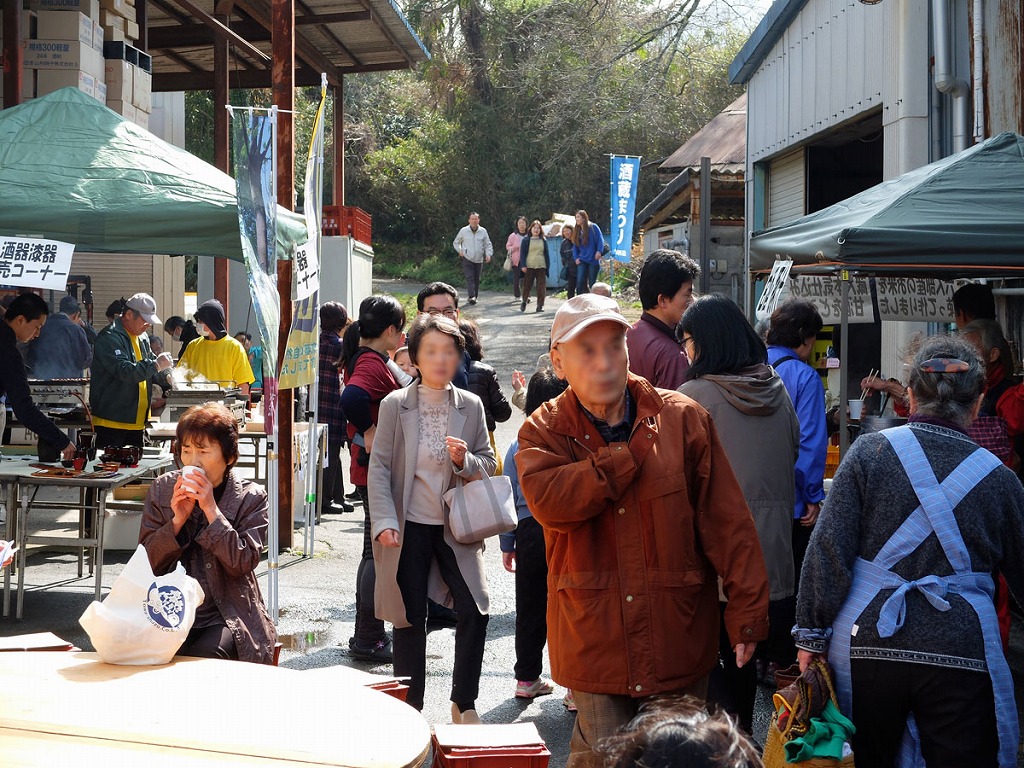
(426,435)
(215,523)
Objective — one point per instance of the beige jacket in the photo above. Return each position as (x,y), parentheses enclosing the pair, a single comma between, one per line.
(391,473)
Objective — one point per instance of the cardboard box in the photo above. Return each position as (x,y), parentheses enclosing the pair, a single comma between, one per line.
(111,35)
(101,91)
(90,8)
(130,14)
(28,25)
(97,36)
(111,19)
(119,78)
(62,54)
(117,6)
(51,80)
(131,30)
(132,492)
(142,119)
(142,89)
(124,108)
(145,62)
(120,50)
(64,25)
(29,84)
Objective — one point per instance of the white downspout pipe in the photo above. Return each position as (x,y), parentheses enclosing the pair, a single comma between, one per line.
(945,79)
(979,71)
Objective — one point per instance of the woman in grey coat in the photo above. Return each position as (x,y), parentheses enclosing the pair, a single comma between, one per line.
(758,427)
(427,434)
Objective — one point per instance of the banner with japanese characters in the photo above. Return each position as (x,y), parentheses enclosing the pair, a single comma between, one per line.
(301,355)
(624,176)
(32,263)
(825,292)
(916,299)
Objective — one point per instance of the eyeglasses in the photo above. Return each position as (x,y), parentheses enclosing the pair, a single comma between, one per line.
(450,312)
(687,341)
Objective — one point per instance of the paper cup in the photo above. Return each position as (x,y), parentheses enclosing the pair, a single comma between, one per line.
(186,473)
(856,409)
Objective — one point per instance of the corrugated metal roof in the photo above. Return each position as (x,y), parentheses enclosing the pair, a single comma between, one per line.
(724,140)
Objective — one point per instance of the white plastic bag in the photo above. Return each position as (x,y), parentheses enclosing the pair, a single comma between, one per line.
(145,618)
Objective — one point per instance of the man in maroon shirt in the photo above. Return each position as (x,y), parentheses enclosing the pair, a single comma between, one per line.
(666,290)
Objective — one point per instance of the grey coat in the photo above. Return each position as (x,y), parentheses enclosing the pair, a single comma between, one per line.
(759,429)
(390,482)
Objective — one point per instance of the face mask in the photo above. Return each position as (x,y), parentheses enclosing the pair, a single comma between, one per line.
(201,329)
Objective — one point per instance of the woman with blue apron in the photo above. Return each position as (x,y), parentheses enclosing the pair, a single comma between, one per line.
(897,586)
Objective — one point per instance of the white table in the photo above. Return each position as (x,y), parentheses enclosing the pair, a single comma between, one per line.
(17,474)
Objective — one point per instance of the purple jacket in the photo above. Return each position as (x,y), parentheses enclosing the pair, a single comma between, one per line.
(655,354)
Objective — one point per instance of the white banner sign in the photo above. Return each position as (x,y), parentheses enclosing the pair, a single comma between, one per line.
(33,263)
(773,290)
(825,292)
(916,299)
(306,269)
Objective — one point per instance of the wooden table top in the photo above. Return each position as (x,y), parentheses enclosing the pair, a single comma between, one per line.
(196,712)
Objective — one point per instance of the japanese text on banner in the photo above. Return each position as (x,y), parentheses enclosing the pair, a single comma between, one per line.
(825,292)
(625,172)
(33,263)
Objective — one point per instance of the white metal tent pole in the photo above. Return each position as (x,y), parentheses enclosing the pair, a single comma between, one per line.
(273,467)
(844,362)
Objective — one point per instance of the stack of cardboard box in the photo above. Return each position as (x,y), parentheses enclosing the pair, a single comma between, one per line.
(118,19)
(128,74)
(62,48)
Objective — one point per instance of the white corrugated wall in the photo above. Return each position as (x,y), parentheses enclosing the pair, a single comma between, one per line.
(786,188)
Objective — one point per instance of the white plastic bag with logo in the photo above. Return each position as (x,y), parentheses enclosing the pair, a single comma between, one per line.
(145,618)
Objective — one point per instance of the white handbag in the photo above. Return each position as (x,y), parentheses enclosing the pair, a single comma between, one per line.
(145,618)
(481,508)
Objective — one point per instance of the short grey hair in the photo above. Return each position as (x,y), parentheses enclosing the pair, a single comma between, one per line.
(947,396)
(989,335)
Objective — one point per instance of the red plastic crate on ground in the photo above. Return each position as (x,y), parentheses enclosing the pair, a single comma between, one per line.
(489,746)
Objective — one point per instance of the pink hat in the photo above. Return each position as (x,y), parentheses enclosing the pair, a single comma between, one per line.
(581,312)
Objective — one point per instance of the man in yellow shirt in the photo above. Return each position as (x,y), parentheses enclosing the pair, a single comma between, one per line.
(214,354)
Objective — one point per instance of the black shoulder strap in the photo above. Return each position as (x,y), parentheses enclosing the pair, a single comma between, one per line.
(782,360)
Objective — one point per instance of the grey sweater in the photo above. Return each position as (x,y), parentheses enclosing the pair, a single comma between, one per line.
(870,498)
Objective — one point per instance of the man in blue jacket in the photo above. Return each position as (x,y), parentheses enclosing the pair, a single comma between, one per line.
(62,350)
(794,329)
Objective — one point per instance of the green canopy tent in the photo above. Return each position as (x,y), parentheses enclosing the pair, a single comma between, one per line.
(73,170)
(963,214)
(959,216)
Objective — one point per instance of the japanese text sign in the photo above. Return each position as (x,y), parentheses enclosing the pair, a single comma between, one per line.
(33,263)
(624,176)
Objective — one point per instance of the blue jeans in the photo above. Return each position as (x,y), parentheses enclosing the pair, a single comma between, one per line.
(586,275)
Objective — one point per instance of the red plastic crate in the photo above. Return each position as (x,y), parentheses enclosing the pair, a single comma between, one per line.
(340,220)
(530,756)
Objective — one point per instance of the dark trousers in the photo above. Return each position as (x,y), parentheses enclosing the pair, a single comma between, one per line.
(570,280)
(517,278)
(954,710)
(586,276)
(531,599)
(421,545)
(780,647)
(730,687)
(109,437)
(801,538)
(369,629)
(541,278)
(213,642)
(334,476)
(472,272)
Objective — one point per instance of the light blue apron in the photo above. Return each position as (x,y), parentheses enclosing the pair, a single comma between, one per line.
(935,514)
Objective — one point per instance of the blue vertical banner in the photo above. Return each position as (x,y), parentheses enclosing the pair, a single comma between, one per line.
(624,176)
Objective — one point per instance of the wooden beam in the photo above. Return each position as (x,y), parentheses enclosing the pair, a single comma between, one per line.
(197,35)
(345,17)
(221,157)
(326,31)
(305,50)
(11,56)
(220,30)
(283,87)
(338,93)
(203,80)
(142,19)
(388,34)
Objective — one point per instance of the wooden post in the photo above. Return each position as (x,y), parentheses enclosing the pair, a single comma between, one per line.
(339,143)
(221,152)
(142,19)
(283,73)
(12,57)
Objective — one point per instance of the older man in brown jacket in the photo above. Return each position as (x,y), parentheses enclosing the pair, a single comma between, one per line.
(642,516)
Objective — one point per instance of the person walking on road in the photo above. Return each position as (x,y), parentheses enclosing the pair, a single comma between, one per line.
(897,584)
(522,553)
(666,290)
(428,435)
(642,516)
(483,382)
(368,380)
(333,322)
(587,248)
(534,265)
(473,245)
(568,263)
(758,427)
(515,239)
